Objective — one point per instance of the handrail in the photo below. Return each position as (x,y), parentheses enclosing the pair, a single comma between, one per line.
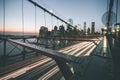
(47,52)
(60,58)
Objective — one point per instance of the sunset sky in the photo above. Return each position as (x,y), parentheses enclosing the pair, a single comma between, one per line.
(79,10)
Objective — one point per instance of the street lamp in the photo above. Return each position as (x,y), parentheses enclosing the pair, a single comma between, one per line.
(51,11)
(113,30)
(117,29)
(68,22)
(105,29)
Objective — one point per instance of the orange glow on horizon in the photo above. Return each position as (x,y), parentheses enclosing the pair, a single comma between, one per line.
(18,29)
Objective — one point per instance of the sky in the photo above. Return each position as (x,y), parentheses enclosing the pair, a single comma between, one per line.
(79,11)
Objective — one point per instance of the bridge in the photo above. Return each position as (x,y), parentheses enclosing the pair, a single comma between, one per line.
(61,57)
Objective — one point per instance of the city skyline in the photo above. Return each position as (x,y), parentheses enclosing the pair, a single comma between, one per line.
(79,10)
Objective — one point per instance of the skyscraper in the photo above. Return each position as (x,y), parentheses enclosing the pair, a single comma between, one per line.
(92,27)
(84,27)
(88,31)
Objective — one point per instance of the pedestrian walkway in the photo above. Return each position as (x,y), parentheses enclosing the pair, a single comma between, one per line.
(97,66)
(93,68)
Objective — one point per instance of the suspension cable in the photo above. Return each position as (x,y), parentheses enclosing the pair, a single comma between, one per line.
(107,5)
(61,23)
(57,23)
(22,17)
(109,12)
(45,18)
(45,10)
(3,17)
(52,21)
(116,10)
(35,19)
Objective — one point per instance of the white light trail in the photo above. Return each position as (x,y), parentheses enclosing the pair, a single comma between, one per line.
(24,69)
(68,50)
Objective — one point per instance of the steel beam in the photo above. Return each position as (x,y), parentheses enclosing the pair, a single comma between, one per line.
(49,12)
(67,73)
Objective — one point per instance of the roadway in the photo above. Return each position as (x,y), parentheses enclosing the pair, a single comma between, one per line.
(46,68)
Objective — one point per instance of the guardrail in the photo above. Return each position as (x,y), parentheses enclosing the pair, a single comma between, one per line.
(60,58)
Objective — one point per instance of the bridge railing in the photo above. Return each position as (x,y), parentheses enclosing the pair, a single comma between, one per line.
(60,58)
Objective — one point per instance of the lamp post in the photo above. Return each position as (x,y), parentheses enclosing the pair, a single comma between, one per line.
(117,29)
(117,34)
(105,30)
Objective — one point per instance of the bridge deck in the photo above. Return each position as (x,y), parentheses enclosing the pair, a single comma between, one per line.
(97,66)
(93,68)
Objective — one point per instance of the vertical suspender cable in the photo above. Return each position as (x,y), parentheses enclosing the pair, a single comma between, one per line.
(107,11)
(4,44)
(61,23)
(35,19)
(57,23)
(22,18)
(116,10)
(3,17)
(44,18)
(107,5)
(23,52)
(52,21)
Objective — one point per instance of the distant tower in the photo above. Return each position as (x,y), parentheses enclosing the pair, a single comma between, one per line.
(92,27)
(84,27)
(88,31)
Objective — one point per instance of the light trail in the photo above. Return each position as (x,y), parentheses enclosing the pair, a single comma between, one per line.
(24,69)
(80,47)
(84,49)
(71,50)
(88,53)
(49,74)
(70,47)
(91,46)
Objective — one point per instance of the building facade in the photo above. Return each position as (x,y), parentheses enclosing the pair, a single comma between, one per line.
(93,28)
(84,27)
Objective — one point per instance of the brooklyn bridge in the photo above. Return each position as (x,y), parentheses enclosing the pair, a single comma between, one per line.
(60,50)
